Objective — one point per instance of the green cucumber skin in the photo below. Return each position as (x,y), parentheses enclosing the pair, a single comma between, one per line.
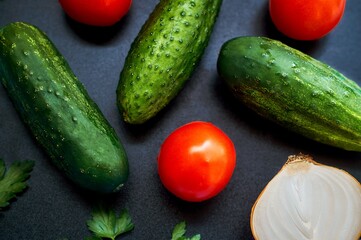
(163,56)
(293,89)
(58,111)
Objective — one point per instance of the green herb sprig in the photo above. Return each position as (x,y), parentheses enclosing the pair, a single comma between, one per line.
(179,232)
(13,180)
(106,224)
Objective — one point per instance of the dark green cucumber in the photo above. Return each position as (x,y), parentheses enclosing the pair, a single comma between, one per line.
(293,89)
(164,55)
(58,111)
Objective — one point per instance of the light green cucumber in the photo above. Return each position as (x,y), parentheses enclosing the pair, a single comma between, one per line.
(58,111)
(293,89)
(164,55)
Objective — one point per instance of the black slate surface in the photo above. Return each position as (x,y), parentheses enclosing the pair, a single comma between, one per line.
(53,208)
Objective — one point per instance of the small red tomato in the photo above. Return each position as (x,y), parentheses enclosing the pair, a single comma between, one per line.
(196,161)
(306,19)
(96,12)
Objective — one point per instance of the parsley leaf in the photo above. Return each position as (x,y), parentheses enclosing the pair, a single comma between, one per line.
(179,231)
(13,180)
(105,223)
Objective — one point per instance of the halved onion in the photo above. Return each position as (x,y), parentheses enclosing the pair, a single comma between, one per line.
(308,201)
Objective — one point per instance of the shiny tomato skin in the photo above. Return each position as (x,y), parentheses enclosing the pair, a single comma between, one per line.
(96,12)
(196,161)
(306,19)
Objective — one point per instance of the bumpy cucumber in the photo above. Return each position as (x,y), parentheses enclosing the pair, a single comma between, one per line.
(58,111)
(293,89)
(164,55)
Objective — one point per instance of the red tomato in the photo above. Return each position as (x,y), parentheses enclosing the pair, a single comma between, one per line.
(196,161)
(306,19)
(96,12)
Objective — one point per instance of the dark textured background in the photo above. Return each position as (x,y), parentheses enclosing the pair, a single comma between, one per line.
(53,208)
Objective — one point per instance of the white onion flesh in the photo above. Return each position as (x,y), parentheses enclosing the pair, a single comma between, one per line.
(308,201)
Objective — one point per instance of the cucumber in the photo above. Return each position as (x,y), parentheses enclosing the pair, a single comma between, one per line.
(163,56)
(293,89)
(55,106)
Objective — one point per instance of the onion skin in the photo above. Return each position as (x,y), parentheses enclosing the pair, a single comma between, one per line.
(308,201)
